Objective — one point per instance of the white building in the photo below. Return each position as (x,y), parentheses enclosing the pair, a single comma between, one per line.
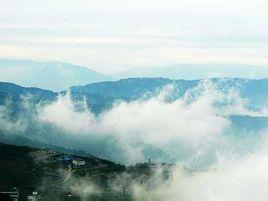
(78,162)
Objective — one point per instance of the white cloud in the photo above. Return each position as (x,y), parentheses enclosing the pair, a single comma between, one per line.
(239,180)
(182,126)
(191,127)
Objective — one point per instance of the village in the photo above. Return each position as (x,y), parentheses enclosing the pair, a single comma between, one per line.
(57,174)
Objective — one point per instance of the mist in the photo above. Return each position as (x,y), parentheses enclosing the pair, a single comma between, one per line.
(212,158)
(189,130)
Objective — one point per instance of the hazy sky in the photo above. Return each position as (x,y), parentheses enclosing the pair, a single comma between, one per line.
(114,35)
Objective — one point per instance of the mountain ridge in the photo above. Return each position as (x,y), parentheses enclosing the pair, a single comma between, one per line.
(197,71)
(100,98)
(58,76)
(51,75)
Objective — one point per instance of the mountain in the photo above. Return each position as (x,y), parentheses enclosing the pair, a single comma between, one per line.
(61,175)
(58,76)
(18,91)
(197,71)
(54,76)
(19,107)
(100,96)
(105,93)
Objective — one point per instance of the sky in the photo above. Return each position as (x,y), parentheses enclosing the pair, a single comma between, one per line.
(112,36)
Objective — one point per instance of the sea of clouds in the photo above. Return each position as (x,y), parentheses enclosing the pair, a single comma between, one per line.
(195,131)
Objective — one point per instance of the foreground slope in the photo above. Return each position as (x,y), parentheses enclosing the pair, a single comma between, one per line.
(29,169)
(63,176)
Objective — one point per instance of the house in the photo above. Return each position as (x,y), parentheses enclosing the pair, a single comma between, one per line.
(78,162)
(65,159)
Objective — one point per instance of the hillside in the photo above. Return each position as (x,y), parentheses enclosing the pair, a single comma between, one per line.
(56,174)
(28,168)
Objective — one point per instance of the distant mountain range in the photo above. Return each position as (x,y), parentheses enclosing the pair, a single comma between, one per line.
(100,96)
(54,76)
(198,71)
(58,76)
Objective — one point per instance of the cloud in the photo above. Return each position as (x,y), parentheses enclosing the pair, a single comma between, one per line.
(190,130)
(245,180)
(239,179)
(179,127)
(212,163)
